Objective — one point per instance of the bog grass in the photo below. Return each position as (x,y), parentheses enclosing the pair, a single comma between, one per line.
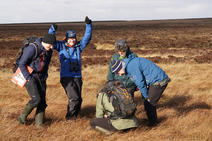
(184,110)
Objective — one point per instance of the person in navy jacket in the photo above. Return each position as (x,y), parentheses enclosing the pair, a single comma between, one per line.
(36,81)
(150,79)
(70,51)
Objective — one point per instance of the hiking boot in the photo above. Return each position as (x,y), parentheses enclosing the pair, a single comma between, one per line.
(39,119)
(151,114)
(27,110)
(152,123)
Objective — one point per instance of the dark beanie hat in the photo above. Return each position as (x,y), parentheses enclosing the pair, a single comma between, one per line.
(49,39)
(116,66)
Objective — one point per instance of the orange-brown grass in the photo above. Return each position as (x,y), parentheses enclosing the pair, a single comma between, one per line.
(184,110)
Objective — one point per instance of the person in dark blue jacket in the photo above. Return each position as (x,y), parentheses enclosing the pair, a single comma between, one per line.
(36,81)
(150,79)
(70,51)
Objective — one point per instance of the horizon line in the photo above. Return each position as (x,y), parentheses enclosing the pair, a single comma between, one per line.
(50,22)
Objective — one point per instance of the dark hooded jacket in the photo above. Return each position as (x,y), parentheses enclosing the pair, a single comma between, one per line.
(40,65)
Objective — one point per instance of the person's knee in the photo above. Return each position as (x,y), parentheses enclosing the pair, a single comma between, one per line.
(35,101)
(75,100)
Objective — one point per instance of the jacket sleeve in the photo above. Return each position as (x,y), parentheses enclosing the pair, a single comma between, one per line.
(26,58)
(53,31)
(139,80)
(46,67)
(99,107)
(87,36)
(58,45)
(110,75)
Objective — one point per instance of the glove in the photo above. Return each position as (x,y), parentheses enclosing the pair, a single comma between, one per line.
(54,26)
(87,20)
(52,29)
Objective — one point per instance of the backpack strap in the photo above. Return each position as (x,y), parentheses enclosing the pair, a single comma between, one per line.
(75,49)
(104,111)
(37,50)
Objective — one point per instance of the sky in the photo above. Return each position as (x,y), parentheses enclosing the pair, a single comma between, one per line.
(38,11)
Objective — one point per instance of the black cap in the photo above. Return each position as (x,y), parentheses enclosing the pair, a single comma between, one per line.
(49,39)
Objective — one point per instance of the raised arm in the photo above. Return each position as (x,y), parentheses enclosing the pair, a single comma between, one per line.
(52,30)
(88,33)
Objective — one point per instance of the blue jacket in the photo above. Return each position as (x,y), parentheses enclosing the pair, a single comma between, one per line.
(27,60)
(74,55)
(144,73)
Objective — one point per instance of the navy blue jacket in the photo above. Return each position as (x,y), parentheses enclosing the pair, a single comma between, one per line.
(144,73)
(38,67)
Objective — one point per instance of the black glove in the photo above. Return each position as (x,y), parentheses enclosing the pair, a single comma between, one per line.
(55,26)
(87,20)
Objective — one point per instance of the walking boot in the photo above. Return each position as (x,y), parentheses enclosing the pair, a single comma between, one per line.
(39,118)
(151,114)
(27,110)
(69,116)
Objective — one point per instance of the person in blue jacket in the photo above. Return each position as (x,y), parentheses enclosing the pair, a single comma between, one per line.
(150,79)
(70,51)
(36,81)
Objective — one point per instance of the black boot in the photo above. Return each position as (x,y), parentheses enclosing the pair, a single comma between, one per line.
(151,113)
(69,115)
(27,110)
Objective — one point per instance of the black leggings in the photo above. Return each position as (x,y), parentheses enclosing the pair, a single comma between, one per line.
(154,94)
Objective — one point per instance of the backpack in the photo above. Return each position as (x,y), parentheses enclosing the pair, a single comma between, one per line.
(26,43)
(122,101)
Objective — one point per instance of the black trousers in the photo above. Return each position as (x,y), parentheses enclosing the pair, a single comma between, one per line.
(102,122)
(154,94)
(36,89)
(73,89)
